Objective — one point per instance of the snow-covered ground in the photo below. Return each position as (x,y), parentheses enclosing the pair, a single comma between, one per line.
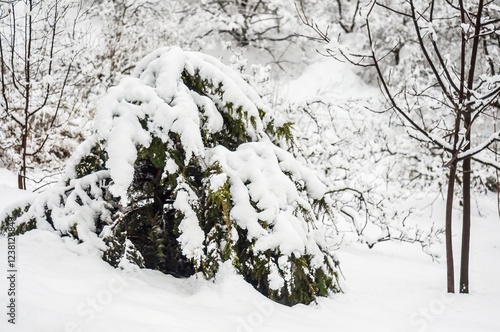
(393,287)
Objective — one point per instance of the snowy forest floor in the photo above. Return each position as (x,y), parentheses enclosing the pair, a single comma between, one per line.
(392,287)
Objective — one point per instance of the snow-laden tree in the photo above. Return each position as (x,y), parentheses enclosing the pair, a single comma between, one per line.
(127,30)
(437,66)
(181,175)
(250,21)
(370,168)
(39,44)
(265,31)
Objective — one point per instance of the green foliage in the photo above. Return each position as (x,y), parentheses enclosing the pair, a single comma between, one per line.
(236,120)
(155,153)
(282,132)
(301,284)
(285,131)
(217,225)
(8,226)
(121,250)
(92,162)
(150,221)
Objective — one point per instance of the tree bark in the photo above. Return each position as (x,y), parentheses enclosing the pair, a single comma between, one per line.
(448,228)
(464,266)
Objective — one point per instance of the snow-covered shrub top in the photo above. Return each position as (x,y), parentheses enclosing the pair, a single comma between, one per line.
(156,95)
(181,174)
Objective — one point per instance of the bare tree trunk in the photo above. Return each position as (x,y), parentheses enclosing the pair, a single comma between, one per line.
(465,94)
(24,156)
(450,277)
(464,267)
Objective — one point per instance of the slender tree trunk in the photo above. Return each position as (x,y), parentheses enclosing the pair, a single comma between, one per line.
(448,227)
(24,155)
(464,267)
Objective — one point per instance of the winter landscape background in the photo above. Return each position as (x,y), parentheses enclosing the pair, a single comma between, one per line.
(372,115)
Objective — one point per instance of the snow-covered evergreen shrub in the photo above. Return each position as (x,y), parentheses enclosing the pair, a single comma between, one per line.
(181,174)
